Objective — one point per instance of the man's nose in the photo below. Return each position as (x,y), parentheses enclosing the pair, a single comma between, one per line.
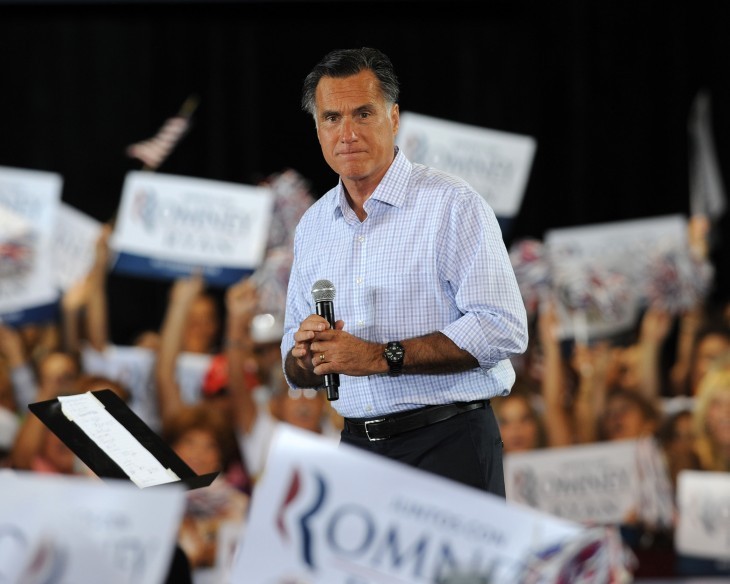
(348,131)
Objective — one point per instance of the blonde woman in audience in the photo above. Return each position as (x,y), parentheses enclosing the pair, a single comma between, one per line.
(712,419)
(711,344)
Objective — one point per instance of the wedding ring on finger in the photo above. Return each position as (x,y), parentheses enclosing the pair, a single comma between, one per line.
(321,357)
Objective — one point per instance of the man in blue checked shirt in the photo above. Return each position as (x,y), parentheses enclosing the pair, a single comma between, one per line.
(427,304)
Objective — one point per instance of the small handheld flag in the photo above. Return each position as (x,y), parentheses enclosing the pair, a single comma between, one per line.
(155,150)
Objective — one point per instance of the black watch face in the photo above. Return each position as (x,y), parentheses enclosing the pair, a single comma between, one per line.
(394,353)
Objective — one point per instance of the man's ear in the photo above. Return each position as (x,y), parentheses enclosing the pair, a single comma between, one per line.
(395,118)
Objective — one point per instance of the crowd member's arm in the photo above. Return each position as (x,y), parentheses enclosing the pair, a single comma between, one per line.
(558,423)
(182,294)
(97,310)
(22,376)
(83,305)
(655,326)
(73,303)
(691,320)
(591,365)
(241,302)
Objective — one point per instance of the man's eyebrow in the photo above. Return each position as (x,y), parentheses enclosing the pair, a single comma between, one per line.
(328,113)
(368,107)
(364,108)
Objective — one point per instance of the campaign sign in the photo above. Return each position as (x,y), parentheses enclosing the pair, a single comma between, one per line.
(172,226)
(703,500)
(71,529)
(496,164)
(29,202)
(603,274)
(589,484)
(333,514)
(74,245)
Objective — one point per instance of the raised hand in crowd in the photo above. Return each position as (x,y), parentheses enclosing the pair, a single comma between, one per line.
(558,419)
(97,310)
(84,308)
(591,366)
(190,324)
(656,323)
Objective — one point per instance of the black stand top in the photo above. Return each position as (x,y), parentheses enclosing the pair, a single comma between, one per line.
(51,414)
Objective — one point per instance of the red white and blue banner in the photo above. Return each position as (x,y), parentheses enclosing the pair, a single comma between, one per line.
(171,226)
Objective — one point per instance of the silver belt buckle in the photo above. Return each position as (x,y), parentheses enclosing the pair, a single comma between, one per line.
(367,433)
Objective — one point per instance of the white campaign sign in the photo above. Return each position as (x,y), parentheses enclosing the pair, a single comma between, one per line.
(592,483)
(74,245)
(27,289)
(169,226)
(496,164)
(329,514)
(703,501)
(70,530)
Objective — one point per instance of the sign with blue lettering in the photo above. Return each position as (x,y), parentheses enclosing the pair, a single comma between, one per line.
(334,514)
(606,483)
(172,226)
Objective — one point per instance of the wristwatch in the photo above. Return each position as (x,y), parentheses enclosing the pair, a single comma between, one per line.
(394,354)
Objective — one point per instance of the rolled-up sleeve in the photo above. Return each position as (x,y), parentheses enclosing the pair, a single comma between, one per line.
(493,325)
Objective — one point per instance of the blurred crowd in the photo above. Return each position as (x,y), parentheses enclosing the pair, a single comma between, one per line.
(668,379)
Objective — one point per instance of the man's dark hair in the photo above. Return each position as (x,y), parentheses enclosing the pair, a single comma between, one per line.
(347,62)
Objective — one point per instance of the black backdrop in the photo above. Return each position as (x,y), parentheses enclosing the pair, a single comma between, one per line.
(604,86)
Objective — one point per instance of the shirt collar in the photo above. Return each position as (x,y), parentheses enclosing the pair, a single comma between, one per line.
(392,187)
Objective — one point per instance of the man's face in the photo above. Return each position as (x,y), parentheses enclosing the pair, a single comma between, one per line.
(356,127)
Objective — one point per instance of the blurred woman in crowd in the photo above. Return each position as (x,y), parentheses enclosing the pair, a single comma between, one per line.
(712,419)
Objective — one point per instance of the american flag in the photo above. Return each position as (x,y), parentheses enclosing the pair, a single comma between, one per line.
(155,150)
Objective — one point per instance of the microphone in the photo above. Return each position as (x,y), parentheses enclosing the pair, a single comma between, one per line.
(323,292)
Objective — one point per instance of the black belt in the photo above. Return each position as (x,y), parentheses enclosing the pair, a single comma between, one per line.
(387,426)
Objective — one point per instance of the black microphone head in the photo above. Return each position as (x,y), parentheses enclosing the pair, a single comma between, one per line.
(323,290)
